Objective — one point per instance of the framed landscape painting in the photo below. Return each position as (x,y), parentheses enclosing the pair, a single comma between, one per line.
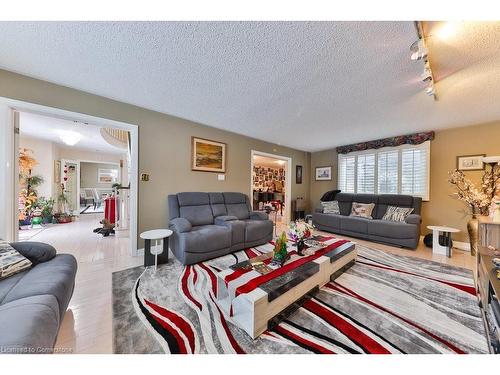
(323,173)
(208,156)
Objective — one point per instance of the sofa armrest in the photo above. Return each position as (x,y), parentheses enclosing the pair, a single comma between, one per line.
(36,252)
(222,220)
(180,225)
(413,219)
(257,215)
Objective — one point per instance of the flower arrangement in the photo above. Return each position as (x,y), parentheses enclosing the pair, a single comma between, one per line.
(477,200)
(298,231)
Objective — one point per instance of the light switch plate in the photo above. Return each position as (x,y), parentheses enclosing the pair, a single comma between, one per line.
(221,177)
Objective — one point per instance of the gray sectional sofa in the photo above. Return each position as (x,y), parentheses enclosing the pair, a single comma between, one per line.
(208,225)
(33,302)
(403,234)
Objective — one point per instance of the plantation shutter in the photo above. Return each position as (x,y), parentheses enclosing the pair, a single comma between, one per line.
(388,172)
(347,165)
(414,170)
(366,173)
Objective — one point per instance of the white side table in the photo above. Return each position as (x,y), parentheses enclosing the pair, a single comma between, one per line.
(437,248)
(157,235)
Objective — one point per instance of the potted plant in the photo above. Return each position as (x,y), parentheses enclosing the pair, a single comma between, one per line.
(47,208)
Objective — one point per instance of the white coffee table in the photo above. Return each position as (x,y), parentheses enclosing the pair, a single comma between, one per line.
(437,248)
(156,235)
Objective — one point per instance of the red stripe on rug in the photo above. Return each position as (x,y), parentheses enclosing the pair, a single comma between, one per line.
(185,288)
(229,335)
(465,288)
(283,331)
(177,320)
(250,253)
(361,298)
(259,280)
(354,334)
(213,279)
(173,331)
(195,276)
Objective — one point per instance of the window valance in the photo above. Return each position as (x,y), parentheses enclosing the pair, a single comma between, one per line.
(412,139)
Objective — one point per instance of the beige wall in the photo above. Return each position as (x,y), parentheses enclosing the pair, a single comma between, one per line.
(318,188)
(442,209)
(89,175)
(164,146)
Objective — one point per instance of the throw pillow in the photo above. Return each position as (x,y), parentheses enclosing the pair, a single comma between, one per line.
(395,213)
(331,207)
(11,262)
(362,210)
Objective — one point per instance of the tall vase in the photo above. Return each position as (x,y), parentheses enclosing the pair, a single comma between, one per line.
(473,229)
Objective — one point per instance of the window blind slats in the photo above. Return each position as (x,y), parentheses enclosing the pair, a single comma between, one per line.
(396,170)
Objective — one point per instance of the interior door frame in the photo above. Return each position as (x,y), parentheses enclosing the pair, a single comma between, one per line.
(76,210)
(288,179)
(9,154)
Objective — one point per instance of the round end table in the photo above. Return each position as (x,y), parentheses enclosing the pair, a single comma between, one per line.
(437,248)
(151,256)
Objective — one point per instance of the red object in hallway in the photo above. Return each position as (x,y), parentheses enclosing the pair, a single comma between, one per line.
(109,209)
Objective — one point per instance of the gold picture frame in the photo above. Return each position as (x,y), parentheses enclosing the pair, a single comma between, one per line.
(208,155)
(57,171)
(470,162)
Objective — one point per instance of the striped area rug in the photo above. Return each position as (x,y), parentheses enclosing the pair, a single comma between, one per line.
(384,304)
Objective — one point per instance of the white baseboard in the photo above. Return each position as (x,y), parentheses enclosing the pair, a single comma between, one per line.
(465,246)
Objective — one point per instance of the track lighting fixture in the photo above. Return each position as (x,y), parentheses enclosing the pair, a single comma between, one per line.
(419,52)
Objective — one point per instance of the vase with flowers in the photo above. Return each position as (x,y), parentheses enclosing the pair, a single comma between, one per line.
(477,200)
(298,231)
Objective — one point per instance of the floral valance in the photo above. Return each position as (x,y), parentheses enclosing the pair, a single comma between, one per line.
(412,139)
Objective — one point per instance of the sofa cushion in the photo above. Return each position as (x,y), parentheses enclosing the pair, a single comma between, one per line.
(355,224)
(29,323)
(217,204)
(395,213)
(52,278)
(197,215)
(206,238)
(329,220)
(7,284)
(331,207)
(193,199)
(386,200)
(11,261)
(36,252)
(345,201)
(392,229)
(257,229)
(237,205)
(362,209)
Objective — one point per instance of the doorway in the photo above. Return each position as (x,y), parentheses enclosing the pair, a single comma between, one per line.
(62,167)
(271,185)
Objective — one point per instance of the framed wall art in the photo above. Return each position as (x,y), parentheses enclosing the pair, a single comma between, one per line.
(208,156)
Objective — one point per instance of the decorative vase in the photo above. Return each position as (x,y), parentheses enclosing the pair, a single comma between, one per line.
(473,229)
(300,247)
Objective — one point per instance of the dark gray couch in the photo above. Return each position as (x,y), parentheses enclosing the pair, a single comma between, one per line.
(406,234)
(208,225)
(33,302)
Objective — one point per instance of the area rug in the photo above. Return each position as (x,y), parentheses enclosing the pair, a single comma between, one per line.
(385,304)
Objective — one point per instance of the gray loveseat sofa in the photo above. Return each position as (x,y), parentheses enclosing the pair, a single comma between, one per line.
(404,234)
(33,302)
(208,225)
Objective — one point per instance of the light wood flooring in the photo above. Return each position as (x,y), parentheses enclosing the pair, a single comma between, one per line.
(87,324)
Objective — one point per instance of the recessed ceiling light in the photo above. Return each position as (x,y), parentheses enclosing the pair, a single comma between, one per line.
(448,30)
(70,138)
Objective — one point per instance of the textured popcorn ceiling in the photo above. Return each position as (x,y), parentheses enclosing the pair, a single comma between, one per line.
(308,85)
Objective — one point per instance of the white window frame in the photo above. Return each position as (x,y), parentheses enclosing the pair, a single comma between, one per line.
(425,146)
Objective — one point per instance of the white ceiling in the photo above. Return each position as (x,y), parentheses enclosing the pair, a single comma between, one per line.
(50,129)
(308,85)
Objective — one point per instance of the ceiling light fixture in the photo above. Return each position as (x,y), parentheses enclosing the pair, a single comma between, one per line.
(447,30)
(419,52)
(70,138)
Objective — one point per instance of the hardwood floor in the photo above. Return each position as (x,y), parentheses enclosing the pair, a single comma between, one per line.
(87,324)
